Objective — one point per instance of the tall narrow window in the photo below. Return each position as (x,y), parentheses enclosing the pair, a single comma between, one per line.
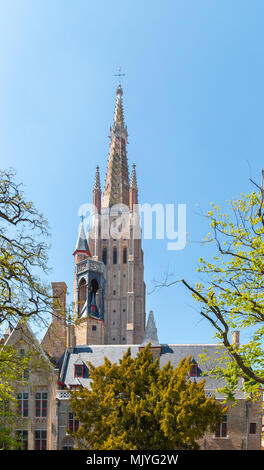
(41,405)
(22,438)
(40,440)
(104,255)
(73,424)
(22,399)
(221,429)
(125,255)
(252,428)
(115,255)
(82,295)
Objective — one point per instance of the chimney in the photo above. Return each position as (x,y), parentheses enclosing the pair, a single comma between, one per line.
(70,336)
(59,290)
(235,338)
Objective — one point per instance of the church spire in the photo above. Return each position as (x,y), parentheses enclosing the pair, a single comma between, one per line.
(117,178)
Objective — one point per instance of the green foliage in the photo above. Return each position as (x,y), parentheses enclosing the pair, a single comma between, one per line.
(232,293)
(23,296)
(8,418)
(23,254)
(136,405)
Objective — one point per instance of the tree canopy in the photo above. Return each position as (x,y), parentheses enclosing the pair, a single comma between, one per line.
(23,294)
(136,405)
(23,255)
(231,294)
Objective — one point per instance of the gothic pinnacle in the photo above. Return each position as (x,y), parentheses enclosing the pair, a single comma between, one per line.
(133,182)
(97,184)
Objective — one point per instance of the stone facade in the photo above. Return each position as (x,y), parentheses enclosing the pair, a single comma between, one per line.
(55,339)
(244,428)
(38,395)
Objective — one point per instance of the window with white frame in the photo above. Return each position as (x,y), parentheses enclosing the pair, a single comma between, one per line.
(41,440)
(22,400)
(221,429)
(41,404)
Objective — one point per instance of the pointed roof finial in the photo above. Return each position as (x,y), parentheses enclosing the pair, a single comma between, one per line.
(119,118)
(133,182)
(119,90)
(151,334)
(97,184)
(119,115)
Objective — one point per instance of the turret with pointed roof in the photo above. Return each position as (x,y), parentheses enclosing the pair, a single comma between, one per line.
(133,190)
(151,336)
(82,244)
(151,332)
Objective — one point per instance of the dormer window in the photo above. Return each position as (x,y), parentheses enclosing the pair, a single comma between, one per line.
(78,370)
(193,371)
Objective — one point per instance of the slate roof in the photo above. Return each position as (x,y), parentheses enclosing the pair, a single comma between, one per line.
(169,352)
(82,244)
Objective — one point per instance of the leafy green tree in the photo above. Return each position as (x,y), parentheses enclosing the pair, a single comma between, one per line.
(23,295)
(23,255)
(231,295)
(12,369)
(136,405)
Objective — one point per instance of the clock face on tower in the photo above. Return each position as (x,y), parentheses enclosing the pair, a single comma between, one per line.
(94,266)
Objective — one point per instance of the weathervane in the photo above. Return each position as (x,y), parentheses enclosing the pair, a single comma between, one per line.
(119,74)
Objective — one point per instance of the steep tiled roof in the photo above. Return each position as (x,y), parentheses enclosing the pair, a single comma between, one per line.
(95,354)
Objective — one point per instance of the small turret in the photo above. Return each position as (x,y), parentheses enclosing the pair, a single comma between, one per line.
(151,336)
(133,189)
(82,247)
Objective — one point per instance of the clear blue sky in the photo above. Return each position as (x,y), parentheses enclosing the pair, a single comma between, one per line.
(193,102)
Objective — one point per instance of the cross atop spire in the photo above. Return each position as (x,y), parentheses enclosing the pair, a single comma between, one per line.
(119,74)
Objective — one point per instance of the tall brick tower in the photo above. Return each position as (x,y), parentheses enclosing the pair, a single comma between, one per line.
(121,253)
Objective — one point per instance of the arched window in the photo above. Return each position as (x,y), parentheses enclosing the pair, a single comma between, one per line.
(104,255)
(125,255)
(82,295)
(115,255)
(93,288)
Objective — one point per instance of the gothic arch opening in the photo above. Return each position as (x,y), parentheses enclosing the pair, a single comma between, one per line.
(82,295)
(93,295)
